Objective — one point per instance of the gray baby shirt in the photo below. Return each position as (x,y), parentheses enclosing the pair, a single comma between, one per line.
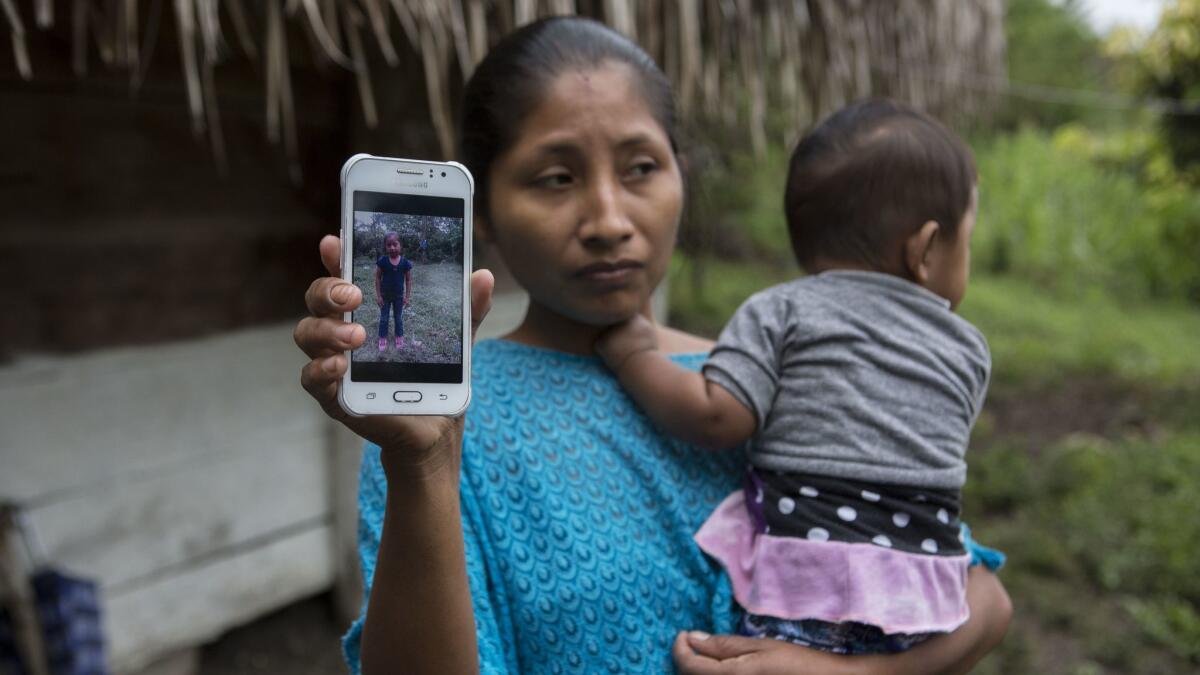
(856,375)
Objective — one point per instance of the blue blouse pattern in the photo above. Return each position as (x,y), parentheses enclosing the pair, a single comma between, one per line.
(578,518)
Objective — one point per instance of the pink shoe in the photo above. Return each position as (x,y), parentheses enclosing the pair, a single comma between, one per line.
(383,344)
(399,342)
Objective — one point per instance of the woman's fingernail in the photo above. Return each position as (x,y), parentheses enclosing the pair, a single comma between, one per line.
(699,635)
(330,365)
(345,333)
(340,294)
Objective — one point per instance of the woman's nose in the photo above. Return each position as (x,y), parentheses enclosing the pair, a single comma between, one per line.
(605,222)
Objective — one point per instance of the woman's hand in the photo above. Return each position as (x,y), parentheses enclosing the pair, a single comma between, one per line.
(697,653)
(954,653)
(413,446)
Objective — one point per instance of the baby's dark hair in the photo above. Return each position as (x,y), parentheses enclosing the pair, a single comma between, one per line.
(392,235)
(868,177)
(511,80)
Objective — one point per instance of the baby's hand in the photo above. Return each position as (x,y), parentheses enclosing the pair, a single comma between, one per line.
(617,344)
(379,300)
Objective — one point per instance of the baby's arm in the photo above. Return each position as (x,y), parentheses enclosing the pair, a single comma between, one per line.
(407,286)
(680,401)
(378,286)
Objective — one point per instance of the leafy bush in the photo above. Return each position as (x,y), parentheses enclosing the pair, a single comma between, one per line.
(1037,338)
(1079,213)
(1099,519)
(1051,44)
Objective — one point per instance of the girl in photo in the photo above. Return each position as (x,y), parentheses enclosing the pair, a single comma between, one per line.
(393,288)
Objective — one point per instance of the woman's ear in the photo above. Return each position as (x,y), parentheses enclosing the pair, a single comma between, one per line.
(918,249)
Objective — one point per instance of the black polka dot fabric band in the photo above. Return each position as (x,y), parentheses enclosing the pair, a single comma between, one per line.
(821,508)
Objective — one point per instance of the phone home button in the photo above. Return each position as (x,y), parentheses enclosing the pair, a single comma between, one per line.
(406,397)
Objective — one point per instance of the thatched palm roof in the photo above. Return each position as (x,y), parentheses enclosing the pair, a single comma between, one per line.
(732,60)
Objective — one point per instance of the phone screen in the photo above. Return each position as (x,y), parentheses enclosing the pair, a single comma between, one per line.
(408,262)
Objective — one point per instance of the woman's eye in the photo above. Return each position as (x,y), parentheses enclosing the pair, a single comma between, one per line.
(553,180)
(643,168)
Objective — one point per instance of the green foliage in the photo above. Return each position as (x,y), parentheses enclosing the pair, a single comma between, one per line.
(1098,526)
(706,291)
(1080,212)
(1051,43)
(1166,64)
(736,208)
(444,235)
(1171,622)
(1037,338)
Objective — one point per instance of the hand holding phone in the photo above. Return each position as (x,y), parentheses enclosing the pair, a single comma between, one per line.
(413,445)
(389,206)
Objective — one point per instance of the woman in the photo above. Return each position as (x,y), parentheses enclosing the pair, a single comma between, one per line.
(552,531)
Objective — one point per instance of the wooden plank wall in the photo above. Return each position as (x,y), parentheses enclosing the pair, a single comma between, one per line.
(151,418)
(191,480)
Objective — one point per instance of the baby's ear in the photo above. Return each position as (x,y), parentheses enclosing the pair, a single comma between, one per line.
(918,251)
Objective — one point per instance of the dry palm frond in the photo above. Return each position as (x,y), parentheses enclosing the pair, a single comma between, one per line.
(17,31)
(362,73)
(731,60)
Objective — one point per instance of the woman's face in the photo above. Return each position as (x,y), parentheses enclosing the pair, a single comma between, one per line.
(585,204)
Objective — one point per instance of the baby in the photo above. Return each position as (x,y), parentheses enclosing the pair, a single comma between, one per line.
(857,387)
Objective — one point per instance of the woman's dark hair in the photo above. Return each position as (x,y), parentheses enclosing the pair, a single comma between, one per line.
(868,177)
(510,81)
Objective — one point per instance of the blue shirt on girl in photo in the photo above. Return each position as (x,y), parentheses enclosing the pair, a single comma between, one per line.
(391,277)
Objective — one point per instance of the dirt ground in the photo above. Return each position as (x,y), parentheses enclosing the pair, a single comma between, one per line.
(301,639)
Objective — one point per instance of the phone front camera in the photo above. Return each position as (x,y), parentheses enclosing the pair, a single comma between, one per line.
(443,174)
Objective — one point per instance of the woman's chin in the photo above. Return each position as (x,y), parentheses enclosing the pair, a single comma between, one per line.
(605,314)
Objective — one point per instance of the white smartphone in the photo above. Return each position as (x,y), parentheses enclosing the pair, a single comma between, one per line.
(406,243)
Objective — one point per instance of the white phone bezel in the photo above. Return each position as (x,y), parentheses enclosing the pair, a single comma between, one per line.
(380,174)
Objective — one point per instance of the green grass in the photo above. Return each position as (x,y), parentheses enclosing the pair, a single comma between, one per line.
(1039,338)
(432,321)
(1101,535)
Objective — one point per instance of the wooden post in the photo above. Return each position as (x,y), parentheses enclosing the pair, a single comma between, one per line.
(16,597)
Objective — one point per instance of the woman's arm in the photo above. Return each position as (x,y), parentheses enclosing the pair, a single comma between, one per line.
(957,652)
(419,615)
(951,654)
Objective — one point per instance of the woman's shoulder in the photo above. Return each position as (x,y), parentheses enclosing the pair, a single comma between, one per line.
(514,359)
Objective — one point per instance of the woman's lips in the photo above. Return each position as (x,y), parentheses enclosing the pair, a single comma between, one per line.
(610,273)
